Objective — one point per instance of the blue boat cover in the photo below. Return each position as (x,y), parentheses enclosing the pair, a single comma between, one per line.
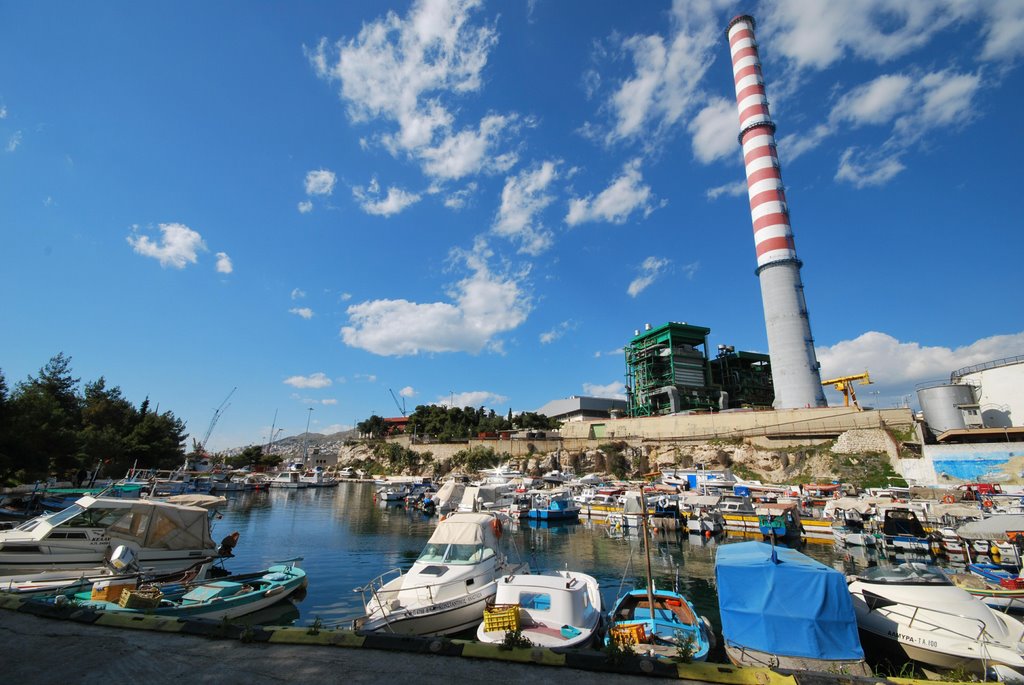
(795,607)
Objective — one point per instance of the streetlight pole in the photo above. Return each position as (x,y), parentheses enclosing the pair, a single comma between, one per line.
(305,437)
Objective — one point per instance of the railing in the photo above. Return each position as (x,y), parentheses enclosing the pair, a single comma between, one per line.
(1006,361)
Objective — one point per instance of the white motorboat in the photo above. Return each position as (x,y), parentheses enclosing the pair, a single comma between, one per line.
(450,583)
(914,611)
(288,479)
(164,536)
(556,610)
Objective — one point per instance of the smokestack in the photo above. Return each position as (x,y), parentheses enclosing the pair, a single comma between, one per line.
(794,365)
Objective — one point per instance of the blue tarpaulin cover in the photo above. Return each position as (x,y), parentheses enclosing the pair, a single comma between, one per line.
(796,607)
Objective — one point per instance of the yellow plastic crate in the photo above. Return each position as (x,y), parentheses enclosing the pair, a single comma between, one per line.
(503,617)
(629,633)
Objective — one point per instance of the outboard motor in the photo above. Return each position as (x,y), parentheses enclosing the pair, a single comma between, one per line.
(122,559)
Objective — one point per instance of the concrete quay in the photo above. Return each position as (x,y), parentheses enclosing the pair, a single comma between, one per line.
(41,645)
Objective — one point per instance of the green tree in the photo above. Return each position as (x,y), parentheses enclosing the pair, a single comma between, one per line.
(375,427)
(46,421)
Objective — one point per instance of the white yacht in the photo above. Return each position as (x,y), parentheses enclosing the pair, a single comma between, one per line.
(163,536)
(288,479)
(914,611)
(450,583)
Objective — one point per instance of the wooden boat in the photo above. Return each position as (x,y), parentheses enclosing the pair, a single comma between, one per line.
(226,598)
(556,610)
(783,609)
(657,622)
(1005,597)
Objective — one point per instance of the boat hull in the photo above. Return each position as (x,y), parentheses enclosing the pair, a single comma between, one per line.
(744,656)
(444,618)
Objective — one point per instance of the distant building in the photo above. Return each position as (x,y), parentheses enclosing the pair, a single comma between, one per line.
(582,408)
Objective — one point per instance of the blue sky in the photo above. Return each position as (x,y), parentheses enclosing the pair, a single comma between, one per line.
(318,202)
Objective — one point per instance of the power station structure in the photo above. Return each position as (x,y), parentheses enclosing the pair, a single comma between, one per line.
(795,369)
(668,371)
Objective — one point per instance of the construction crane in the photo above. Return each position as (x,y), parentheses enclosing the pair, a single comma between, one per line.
(201,446)
(401,406)
(845,385)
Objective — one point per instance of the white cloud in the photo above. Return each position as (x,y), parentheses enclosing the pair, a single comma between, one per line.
(3,111)
(665,85)
(815,35)
(329,401)
(179,245)
(314,380)
(522,199)
(399,68)
(871,169)
(615,203)
(875,102)
(305,207)
(407,391)
(304,312)
(14,141)
(473,398)
(557,332)
(734,189)
(320,182)
(394,202)
(892,362)
(650,269)
(714,131)
(615,390)
(298,293)
(1004,29)
(457,199)
(368,377)
(224,265)
(483,305)
(469,151)
(345,297)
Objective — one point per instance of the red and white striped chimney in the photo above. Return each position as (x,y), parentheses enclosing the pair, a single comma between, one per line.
(795,372)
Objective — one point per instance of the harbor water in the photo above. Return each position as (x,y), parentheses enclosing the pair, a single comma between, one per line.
(346,538)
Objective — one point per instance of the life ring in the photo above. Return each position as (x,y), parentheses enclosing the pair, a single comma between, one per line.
(949,499)
(987,503)
(496,527)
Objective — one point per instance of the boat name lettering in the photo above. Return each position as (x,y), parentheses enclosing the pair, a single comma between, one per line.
(444,606)
(910,639)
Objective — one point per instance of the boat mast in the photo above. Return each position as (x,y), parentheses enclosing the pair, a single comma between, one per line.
(647,552)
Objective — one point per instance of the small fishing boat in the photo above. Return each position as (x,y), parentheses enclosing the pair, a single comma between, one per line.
(450,583)
(914,611)
(557,610)
(1005,593)
(288,479)
(227,598)
(780,522)
(902,531)
(661,623)
(780,608)
(553,507)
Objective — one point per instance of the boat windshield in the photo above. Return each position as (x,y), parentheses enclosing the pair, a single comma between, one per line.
(904,574)
(62,516)
(455,554)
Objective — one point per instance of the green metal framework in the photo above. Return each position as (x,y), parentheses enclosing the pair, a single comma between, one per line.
(667,371)
(745,376)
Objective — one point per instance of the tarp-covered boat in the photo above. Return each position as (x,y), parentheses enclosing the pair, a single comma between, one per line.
(781,608)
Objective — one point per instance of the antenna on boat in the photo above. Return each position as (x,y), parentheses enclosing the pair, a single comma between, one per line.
(647,549)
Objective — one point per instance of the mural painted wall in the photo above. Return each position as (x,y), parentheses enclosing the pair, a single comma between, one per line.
(988,463)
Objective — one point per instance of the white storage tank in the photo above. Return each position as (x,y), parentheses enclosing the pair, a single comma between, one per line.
(1000,398)
(941,403)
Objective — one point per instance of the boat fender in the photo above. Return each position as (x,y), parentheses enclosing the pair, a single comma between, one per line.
(496,527)
(987,503)
(949,499)
(995,553)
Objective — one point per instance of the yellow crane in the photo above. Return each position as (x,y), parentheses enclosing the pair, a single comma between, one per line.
(844,384)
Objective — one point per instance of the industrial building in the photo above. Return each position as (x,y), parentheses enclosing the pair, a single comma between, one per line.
(668,371)
(978,403)
(577,408)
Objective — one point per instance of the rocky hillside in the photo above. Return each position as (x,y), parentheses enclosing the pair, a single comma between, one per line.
(291,448)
